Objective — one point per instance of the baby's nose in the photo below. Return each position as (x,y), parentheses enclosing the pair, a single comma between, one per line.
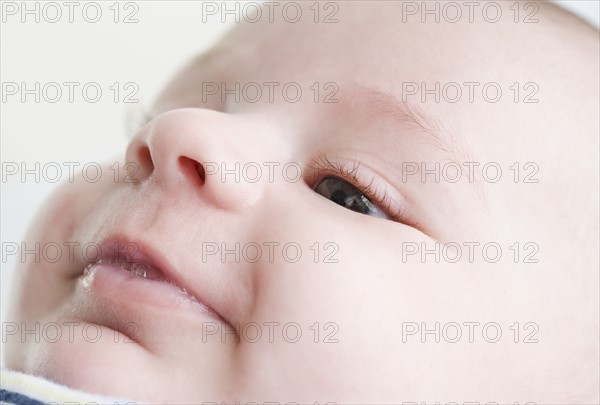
(194,153)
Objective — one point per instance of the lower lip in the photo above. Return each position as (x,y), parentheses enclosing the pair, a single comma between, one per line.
(113,285)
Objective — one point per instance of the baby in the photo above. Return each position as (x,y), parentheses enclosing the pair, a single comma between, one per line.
(341,202)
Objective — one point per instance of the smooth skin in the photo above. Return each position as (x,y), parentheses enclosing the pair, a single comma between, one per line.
(373,293)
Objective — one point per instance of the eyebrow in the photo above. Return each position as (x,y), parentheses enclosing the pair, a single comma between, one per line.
(433,132)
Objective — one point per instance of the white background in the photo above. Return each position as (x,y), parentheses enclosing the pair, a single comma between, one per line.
(148,52)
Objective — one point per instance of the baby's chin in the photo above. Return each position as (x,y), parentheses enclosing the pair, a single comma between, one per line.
(104,342)
(98,366)
(103,368)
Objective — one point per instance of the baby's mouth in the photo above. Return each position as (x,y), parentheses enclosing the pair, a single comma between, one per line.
(123,278)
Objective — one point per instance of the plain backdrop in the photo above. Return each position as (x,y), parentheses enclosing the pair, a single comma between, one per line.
(147,53)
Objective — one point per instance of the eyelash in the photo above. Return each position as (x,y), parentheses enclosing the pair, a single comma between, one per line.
(348,171)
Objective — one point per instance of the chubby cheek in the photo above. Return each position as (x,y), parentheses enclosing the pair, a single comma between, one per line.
(341,309)
(345,295)
(50,257)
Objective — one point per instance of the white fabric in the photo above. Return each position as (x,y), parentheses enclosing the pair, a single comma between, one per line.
(49,392)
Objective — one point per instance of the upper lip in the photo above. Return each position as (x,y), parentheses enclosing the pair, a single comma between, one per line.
(119,248)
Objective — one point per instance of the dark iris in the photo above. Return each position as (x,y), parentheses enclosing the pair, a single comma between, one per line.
(339,197)
(345,194)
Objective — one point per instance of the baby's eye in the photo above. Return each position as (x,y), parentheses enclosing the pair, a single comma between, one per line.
(345,194)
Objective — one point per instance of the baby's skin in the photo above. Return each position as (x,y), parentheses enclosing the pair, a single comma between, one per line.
(397,243)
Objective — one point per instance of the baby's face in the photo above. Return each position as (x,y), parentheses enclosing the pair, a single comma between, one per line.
(323,237)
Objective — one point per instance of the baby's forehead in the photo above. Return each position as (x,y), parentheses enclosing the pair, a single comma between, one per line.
(364,32)
(376,44)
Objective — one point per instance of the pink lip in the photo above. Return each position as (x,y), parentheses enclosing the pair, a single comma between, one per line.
(126,273)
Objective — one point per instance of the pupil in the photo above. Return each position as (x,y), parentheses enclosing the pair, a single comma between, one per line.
(339,197)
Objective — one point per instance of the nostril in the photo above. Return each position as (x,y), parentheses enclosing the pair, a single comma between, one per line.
(144,160)
(201,172)
(193,168)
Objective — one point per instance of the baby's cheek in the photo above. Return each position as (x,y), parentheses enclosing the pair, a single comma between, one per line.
(344,296)
(51,255)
